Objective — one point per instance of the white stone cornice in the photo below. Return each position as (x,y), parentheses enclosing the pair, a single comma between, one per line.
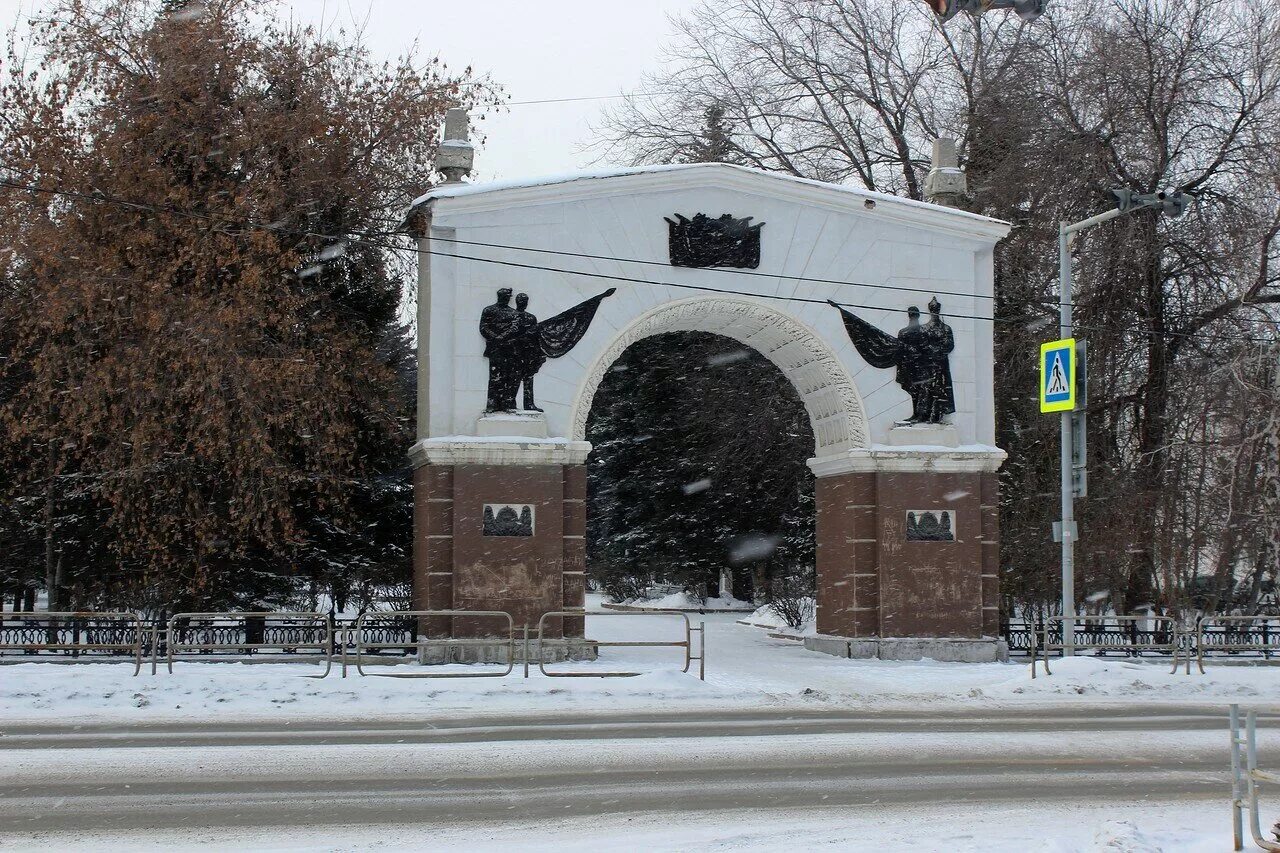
(504,450)
(505,195)
(971,459)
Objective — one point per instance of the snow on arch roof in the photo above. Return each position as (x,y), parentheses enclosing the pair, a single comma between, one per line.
(976,224)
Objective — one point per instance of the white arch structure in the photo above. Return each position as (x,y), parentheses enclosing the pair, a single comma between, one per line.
(882,590)
(829,394)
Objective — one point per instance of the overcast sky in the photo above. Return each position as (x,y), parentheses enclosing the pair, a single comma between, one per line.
(535,50)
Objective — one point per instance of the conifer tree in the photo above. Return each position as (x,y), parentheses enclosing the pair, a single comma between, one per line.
(698,465)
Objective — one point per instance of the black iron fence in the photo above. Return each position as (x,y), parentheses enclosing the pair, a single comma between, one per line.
(72,634)
(36,635)
(1257,637)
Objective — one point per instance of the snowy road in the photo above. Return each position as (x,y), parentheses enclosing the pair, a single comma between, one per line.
(136,780)
(778,744)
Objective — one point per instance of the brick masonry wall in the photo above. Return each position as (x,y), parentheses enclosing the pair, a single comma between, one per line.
(847,559)
(457,567)
(873,582)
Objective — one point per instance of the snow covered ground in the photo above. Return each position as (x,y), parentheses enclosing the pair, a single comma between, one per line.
(1052,782)
(767,617)
(997,785)
(685,601)
(954,828)
(745,668)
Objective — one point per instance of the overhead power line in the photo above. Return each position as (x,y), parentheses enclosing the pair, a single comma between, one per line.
(371,241)
(382,234)
(725,271)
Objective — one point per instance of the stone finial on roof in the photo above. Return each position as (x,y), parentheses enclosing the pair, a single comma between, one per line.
(456,153)
(946,183)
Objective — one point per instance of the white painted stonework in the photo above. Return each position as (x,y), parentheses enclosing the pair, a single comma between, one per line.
(868,249)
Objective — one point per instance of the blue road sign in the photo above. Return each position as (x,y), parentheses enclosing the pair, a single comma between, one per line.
(1058,376)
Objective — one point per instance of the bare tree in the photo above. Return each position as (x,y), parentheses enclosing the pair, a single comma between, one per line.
(1099,94)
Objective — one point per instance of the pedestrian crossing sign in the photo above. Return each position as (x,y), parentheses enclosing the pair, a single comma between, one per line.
(1058,376)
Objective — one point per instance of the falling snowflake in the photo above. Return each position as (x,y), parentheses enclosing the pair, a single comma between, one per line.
(752,547)
(696,486)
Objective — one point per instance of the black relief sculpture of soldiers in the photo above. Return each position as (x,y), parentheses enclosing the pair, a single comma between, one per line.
(503,520)
(517,345)
(706,242)
(930,527)
(921,354)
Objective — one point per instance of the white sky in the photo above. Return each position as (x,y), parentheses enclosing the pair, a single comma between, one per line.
(536,49)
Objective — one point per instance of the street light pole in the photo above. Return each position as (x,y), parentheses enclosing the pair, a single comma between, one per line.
(1068,498)
(1171,204)
(1066,235)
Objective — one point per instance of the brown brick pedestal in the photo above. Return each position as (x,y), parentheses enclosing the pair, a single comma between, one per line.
(499,525)
(908,555)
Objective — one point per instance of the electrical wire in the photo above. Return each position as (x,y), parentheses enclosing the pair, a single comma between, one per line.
(366,235)
(357,237)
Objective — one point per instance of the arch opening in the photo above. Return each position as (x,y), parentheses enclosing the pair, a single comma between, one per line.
(830,398)
(697,480)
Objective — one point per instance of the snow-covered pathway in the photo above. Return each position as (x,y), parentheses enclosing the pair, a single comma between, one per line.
(780,749)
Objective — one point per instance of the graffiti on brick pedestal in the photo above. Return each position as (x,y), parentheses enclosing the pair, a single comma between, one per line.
(518,582)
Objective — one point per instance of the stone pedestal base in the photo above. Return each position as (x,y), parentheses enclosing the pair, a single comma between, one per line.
(924,435)
(908,546)
(499,525)
(947,649)
(520,424)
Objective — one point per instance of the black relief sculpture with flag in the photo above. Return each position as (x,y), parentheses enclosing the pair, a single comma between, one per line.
(517,345)
(921,353)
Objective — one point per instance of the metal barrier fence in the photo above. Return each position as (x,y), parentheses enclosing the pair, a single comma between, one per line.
(74,633)
(92,634)
(1162,637)
(686,644)
(1245,781)
(290,633)
(245,633)
(357,640)
(1255,634)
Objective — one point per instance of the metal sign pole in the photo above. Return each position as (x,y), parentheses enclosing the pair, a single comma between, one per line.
(1068,506)
(1068,529)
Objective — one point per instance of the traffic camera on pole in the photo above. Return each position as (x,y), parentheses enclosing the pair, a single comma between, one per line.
(1171,204)
(1027,10)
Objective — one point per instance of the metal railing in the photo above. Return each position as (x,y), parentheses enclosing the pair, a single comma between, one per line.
(1245,781)
(1161,637)
(74,633)
(357,641)
(229,634)
(1255,634)
(686,644)
(245,633)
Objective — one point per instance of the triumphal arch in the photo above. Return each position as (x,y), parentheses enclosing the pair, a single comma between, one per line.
(875,307)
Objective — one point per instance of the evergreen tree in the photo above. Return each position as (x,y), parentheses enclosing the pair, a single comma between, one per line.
(699,465)
(715,143)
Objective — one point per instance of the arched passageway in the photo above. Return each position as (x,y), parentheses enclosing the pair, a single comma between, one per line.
(829,395)
(697,477)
